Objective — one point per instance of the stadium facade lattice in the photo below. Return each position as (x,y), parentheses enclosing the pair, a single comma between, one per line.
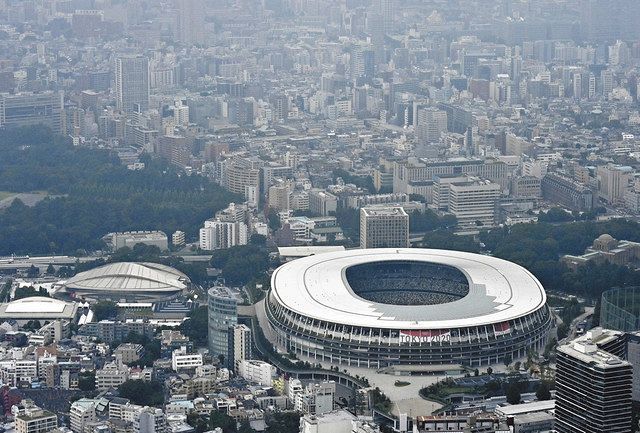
(382,307)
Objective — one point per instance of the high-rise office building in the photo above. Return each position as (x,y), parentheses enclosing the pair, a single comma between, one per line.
(223,316)
(613,182)
(362,62)
(385,9)
(375,27)
(190,21)
(593,390)
(132,83)
(577,85)
(592,86)
(474,202)
(384,227)
(606,77)
(431,123)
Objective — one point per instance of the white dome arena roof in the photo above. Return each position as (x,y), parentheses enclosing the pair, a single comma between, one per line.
(39,304)
(127,277)
(38,307)
(316,287)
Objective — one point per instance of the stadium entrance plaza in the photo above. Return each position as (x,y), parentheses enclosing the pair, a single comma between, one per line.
(405,399)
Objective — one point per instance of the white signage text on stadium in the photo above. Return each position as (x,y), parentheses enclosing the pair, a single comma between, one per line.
(427,336)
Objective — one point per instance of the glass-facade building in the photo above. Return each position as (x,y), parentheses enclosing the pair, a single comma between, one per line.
(620,309)
(223,316)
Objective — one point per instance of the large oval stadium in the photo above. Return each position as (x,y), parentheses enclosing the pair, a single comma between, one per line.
(382,307)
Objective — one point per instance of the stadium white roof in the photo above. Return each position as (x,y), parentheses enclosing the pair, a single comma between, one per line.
(38,307)
(316,287)
(129,277)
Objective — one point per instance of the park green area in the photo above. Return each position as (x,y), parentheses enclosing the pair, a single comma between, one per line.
(100,195)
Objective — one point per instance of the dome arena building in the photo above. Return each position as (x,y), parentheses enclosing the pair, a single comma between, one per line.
(381,307)
(128,281)
(38,308)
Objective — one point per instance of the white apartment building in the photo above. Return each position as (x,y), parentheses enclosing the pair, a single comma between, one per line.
(339,421)
(116,406)
(238,173)
(130,412)
(294,386)
(234,213)
(535,168)
(299,200)
(256,371)
(111,375)
(180,114)
(82,413)
(316,399)
(18,370)
(178,238)
(150,420)
(36,421)
(614,182)
(217,235)
(301,227)
(241,344)
(181,360)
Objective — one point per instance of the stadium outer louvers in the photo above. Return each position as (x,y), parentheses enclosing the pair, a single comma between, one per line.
(381,307)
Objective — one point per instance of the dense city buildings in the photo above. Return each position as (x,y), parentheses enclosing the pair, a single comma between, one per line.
(319,216)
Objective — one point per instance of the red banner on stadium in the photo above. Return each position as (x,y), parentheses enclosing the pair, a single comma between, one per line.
(501,328)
